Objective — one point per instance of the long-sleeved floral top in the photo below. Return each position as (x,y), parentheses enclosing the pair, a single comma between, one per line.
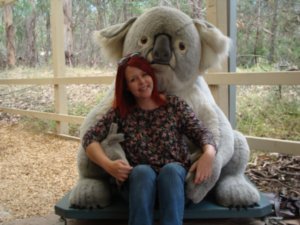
(154,137)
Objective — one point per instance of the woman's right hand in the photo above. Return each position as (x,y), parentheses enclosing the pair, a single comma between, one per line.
(119,169)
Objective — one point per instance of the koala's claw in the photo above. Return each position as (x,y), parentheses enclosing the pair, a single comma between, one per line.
(245,207)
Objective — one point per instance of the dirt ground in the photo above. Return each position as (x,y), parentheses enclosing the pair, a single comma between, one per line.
(37,169)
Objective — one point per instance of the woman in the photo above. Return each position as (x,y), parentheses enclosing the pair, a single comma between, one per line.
(154,126)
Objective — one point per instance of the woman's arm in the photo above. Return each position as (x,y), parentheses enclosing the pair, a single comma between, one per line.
(119,169)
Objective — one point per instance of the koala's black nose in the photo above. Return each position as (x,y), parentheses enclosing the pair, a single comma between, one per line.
(162,52)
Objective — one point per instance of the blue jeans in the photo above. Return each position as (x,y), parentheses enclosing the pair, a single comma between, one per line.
(145,185)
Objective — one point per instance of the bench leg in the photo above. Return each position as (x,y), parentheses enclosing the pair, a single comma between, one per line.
(64,220)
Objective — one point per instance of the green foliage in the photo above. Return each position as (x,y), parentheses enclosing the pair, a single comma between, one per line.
(74,130)
(263,66)
(83,108)
(269,111)
(79,109)
(39,125)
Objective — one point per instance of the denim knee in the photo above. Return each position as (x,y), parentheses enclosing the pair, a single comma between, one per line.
(142,174)
(173,169)
(142,170)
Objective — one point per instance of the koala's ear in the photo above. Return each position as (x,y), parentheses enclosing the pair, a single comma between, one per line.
(111,39)
(214,45)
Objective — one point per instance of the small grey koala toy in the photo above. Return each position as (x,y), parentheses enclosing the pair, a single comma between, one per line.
(111,145)
(93,179)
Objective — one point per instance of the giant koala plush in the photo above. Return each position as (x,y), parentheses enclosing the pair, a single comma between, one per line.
(181,49)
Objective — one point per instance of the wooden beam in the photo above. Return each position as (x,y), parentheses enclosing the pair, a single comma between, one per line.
(217,15)
(254,78)
(45,115)
(59,81)
(58,59)
(232,34)
(261,78)
(274,145)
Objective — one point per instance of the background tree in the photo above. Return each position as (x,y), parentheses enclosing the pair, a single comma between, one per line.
(273,33)
(267,34)
(10,34)
(30,55)
(68,31)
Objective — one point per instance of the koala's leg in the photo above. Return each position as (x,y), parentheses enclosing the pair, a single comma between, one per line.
(90,193)
(92,189)
(233,189)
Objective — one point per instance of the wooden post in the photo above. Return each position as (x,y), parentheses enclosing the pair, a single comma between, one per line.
(232,33)
(58,60)
(217,14)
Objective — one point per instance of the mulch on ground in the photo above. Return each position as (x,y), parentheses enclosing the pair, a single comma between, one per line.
(36,170)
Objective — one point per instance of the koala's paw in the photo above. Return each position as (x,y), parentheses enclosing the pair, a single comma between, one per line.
(196,192)
(236,191)
(90,193)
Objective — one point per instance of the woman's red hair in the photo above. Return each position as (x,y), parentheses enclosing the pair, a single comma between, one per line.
(124,101)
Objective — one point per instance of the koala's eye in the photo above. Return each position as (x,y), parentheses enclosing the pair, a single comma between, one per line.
(181,46)
(144,40)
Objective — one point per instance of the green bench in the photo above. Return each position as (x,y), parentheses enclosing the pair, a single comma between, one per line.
(206,209)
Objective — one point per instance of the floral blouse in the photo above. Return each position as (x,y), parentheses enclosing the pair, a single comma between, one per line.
(154,137)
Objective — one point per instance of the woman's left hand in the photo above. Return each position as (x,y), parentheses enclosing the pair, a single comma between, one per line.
(203,166)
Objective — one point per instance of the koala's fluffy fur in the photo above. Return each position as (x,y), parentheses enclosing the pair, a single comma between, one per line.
(194,47)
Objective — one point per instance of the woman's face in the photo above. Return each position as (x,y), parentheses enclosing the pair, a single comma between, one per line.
(139,83)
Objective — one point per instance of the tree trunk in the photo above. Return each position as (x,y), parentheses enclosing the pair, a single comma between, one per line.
(101,14)
(68,31)
(257,35)
(48,45)
(125,10)
(30,23)
(273,32)
(10,36)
